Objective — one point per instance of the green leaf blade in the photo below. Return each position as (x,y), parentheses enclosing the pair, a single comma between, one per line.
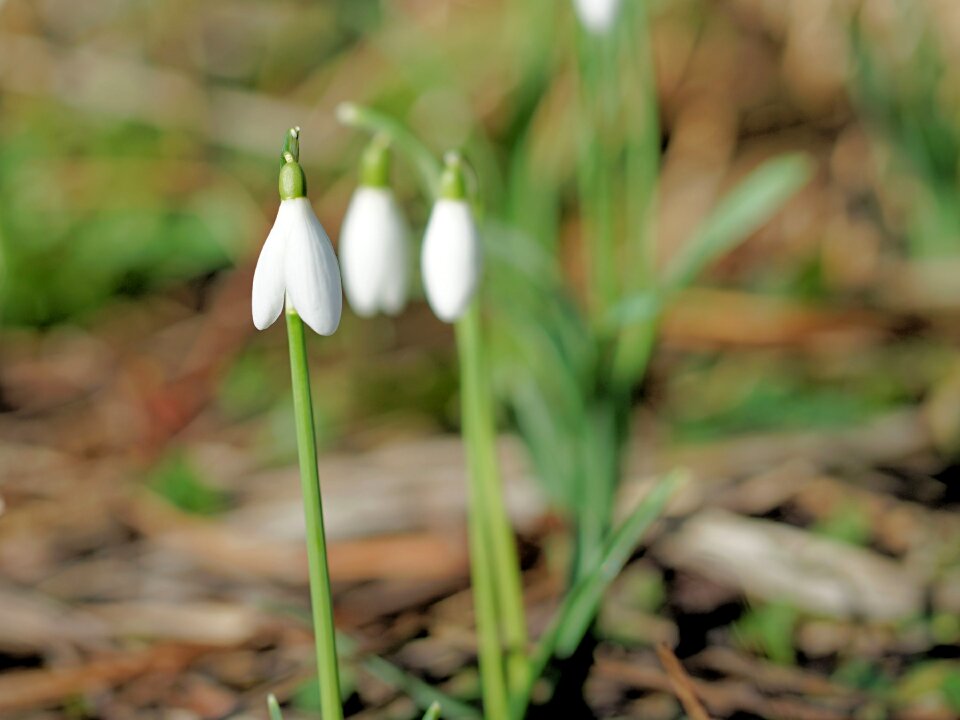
(739,214)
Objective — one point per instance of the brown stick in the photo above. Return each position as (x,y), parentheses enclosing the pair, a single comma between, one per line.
(682,684)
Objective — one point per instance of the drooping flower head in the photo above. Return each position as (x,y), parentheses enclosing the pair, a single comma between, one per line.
(597,16)
(451,260)
(297,265)
(374,240)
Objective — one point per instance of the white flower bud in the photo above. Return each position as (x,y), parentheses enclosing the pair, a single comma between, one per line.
(374,247)
(597,16)
(297,263)
(451,259)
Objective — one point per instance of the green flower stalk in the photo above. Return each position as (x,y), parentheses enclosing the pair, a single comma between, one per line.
(451,268)
(297,268)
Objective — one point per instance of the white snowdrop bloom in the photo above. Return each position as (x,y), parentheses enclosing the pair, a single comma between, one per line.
(297,264)
(374,241)
(597,16)
(451,259)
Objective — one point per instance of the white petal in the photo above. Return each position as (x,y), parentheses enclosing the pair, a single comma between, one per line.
(268,286)
(311,270)
(597,15)
(374,247)
(451,259)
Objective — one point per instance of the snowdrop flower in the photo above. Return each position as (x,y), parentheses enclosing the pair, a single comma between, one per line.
(374,241)
(297,264)
(451,259)
(597,16)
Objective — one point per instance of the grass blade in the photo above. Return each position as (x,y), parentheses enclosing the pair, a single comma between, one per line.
(738,214)
(422,693)
(273,707)
(580,605)
(433,712)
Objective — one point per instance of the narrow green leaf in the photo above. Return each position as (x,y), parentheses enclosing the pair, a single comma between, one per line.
(274,707)
(422,693)
(640,307)
(433,712)
(580,606)
(742,211)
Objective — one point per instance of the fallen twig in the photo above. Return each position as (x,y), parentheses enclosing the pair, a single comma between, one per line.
(682,684)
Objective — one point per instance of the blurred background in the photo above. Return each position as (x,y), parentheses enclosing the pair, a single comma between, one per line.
(151,560)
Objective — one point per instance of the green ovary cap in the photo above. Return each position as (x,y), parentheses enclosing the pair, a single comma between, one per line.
(375,163)
(453,184)
(293,183)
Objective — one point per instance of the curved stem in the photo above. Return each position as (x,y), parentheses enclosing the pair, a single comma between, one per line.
(419,155)
(321,600)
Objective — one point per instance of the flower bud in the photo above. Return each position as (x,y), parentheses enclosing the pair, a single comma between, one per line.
(374,240)
(451,259)
(296,264)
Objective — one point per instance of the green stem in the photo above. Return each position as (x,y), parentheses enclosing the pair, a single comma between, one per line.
(495,568)
(597,166)
(321,601)
(400,137)
(635,343)
(480,530)
(480,434)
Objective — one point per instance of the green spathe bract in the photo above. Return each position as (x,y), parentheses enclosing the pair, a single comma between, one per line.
(375,163)
(453,184)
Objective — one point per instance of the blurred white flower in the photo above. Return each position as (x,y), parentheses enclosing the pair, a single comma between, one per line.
(597,16)
(374,244)
(297,263)
(451,259)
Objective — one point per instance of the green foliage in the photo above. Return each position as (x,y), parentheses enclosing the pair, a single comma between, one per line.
(716,396)
(934,682)
(423,694)
(579,606)
(741,212)
(950,687)
(307,695)
(904,102)
(848,523)
(768,629)
(862,674)
(273,707)
(178,482)
(76,231)
(248,386)
(433,712)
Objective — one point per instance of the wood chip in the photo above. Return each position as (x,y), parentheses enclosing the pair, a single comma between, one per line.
(773,561)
